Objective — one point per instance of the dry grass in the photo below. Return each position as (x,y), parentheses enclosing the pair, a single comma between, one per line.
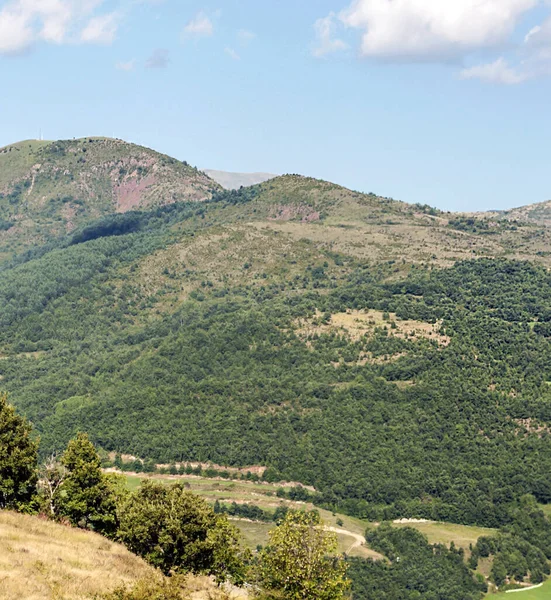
(445,533)
(43,560)
(357,324)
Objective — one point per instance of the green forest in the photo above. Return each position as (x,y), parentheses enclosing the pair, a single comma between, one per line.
(386,424)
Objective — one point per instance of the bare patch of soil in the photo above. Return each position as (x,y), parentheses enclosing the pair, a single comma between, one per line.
(290,212)
(129,192)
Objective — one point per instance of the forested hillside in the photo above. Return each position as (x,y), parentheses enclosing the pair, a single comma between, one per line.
(394,357)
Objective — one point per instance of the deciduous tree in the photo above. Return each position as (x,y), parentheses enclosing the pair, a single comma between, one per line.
(300,563)
(18,458)
(177,531)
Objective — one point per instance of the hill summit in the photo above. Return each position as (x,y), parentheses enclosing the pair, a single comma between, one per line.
(50,188)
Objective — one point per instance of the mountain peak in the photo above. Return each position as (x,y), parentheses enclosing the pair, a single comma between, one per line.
(50,188)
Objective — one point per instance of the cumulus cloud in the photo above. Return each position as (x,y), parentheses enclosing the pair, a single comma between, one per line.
(429,29)
(16,33)
(25,22)
(159,59)
(326,42)
(100,30)
(199,26)
(439,31)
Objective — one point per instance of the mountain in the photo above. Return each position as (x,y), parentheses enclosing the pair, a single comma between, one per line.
(233,181)
(539,213)
(51,188)
(393,356)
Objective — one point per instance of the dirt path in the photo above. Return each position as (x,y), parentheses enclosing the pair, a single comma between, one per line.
(359,540)
(527,589)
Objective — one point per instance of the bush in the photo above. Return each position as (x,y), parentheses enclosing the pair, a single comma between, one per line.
(162,588)
(176,531)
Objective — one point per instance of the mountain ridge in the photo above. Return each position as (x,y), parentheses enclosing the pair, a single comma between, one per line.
(253,326)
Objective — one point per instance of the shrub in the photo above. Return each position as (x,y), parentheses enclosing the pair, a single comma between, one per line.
(176,531)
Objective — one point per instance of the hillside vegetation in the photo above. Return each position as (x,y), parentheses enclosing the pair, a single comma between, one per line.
(50,188)
(394,357)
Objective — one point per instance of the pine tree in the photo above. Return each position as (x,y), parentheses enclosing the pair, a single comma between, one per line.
(88,497)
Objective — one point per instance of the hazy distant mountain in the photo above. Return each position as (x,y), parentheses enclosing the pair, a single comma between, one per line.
(233,181)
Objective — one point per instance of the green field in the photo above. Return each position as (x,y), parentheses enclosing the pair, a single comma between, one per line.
(542,593)
(444,533)
(264,496)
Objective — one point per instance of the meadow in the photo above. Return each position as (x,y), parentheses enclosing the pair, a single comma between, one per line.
(264,495)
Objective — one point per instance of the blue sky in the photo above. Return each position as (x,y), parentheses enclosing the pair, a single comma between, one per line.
(445,103)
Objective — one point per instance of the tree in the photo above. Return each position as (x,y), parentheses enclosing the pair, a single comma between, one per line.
(18,458)
(88,497)
(176,531)
(499,572)
(52,477)
(297,564)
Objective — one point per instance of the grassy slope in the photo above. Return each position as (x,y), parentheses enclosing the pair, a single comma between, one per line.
(374,228)
(40,560)
(542,593)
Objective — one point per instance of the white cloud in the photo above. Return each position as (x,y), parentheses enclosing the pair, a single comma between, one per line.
(126,66)
(199,26)
(245,37)
(16,33)
(447,31)
(326,42)
(232,53)
(433,29)
(25,22)
(498,71)
(540,35)
(100,30)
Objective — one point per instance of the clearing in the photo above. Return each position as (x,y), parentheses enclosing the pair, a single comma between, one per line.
(357,324)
